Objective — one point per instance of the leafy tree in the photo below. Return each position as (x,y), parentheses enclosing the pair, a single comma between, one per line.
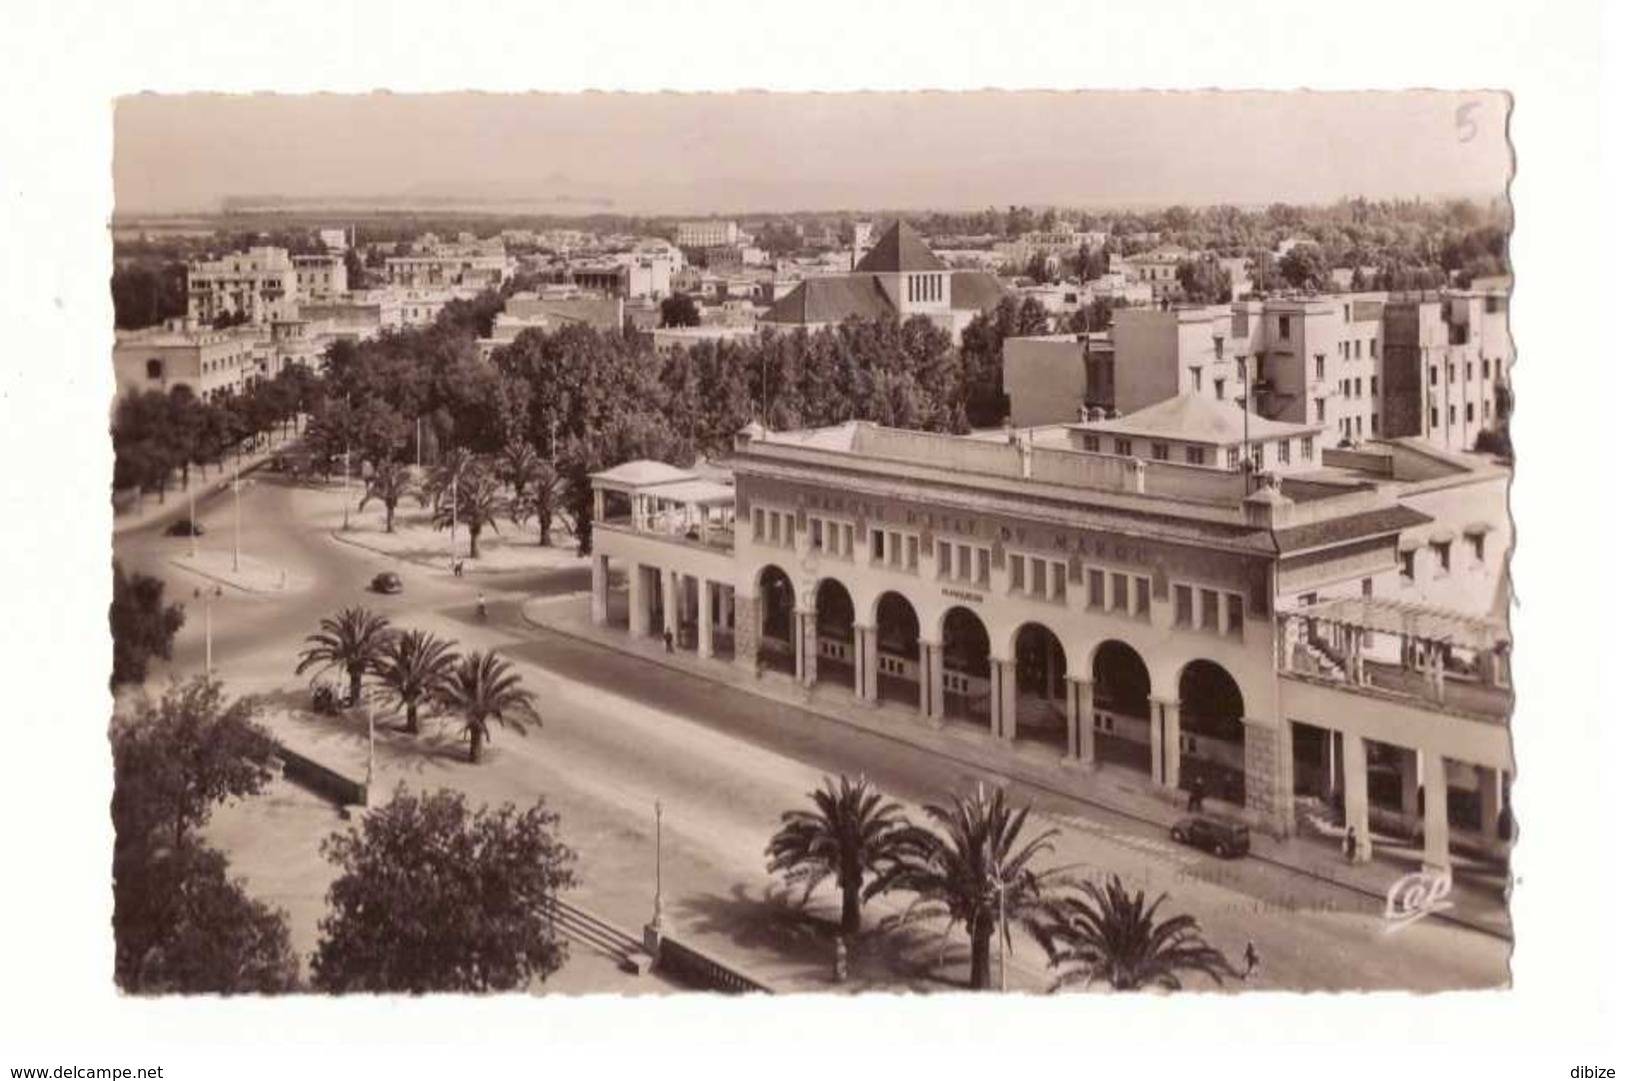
(353,640)
(479,503)
(145,294)
(389,484)
(518,461)
(847,837)
(961,870)
(679,310)
(1104,936)
(431,896)
(143,626)
(1037,268)
(1306,267)
(1204,281)
(483,688)
(413,669)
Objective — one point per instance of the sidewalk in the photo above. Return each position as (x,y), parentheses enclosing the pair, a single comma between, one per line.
(250,575)
(177,502)
(1476,905)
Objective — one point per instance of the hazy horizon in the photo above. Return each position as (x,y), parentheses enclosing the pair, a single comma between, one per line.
(756,152)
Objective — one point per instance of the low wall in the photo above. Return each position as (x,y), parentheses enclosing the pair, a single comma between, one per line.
(327,783)
(696,969)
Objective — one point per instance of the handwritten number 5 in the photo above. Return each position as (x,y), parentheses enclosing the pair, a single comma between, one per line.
(1466,126)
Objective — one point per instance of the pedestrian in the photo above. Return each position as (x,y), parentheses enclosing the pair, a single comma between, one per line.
(1198,794)
(1250,957)
(667,636)
(1349,845)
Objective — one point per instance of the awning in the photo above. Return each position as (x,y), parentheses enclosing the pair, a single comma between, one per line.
(1441,536)
(1409,544)
(1477,529)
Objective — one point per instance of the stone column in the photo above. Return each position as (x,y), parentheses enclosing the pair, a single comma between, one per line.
(1154,721)
(931,680)
(1489,803)
(1435,813)
(1166,741)
(863,662)
(1356,805)
(797,654)
(707,603)
(598,504)
(668,603)
(809,646)
(1002,704)
(600,590)
(1080,720)
(747,630)
(637,601)
(1261,751)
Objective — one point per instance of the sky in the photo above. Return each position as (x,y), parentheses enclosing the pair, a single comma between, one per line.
(755,152)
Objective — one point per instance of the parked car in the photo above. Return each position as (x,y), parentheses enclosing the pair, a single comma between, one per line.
(185,527)
(1219,836)
(387,582)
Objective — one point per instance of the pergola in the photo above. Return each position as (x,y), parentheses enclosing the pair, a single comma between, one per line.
(665,499)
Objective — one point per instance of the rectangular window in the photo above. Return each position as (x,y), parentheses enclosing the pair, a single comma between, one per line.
(1018,572)
(1451,372)
(1452,416)
(1210,610)
(1283,326)
(1320,410)
(846,541)
(1232,614)
(1373,386)
(894,549)
(1433,375)
(1356,350)
(962,569)
(1475,541)
(1320,365)
(1196,378)
(1306,448)
(1497,369)
(1232,458)
(1218,389)
(1486,373)
(1407,566)
(1182,606)
(1441,556)
(1193,456)
(1124,447)
(1358,392)
(913,544)
(1258,457)
(1469,412)
(1057,577)
(1433,417)
(1119,592)
(877,545)
(757,518)
(1091,443)
(1159,452)
(984,566)
(1343,388)
(1142,596)
(773,526)
(817,541)
(1040,577)
(1373,348)
(1097,588)
(945,559)
(1283,452)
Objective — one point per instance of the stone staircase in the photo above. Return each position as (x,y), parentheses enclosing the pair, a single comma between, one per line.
(599,935)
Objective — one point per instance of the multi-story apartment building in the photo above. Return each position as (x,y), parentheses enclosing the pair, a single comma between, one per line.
(440,268)
(258,284)
(320,275)
(1312,360)
(1444,355)
(212,364)
(708,234)
(1151,618)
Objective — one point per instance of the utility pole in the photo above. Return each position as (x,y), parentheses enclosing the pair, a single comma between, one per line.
(191,512)
(344,492)
(237,519)
(207,596)
(655,923)
(454,521)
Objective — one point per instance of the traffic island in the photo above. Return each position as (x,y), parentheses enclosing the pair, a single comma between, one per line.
(241,572)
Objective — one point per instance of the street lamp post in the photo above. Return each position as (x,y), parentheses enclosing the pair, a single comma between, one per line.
(371,750)
(236,520)
(191,511)
(454,522)
(656,922)
(1004,933)
(207,596)
(344,492)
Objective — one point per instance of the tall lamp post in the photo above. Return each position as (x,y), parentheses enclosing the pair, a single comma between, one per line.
(1004,934)
(371,750)
(191,519)
(656,922)
(207,596)
(236,520)
(344,492)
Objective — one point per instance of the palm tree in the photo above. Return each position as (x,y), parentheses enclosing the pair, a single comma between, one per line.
(518,461)
(479,502)
(975,866)
(1104,936)
(848,836)
(458,464)
(391,482)
(413,669)
(352,640)
(484,687)
(542,492)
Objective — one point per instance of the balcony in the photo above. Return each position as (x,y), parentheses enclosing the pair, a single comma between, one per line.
(1441,661)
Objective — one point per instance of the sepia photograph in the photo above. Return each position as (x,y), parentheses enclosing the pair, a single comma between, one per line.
(831,561)
(712,539)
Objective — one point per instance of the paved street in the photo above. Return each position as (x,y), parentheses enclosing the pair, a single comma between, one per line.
(620,732)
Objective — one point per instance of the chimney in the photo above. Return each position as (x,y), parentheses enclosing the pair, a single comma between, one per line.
(1268,508)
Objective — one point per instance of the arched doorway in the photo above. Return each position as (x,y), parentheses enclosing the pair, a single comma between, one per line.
(776,651)
(897,649)
(1212,740)
(1040,686)
(835,621)
(966,686)
(1122,706)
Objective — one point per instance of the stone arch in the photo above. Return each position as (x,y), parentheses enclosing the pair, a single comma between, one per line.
(897,648)
(776,595)
(835,626)
(1212,737)
(1040,665)
(966,666)
(1121,706)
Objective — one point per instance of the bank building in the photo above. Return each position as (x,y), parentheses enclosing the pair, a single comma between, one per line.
(1184,592)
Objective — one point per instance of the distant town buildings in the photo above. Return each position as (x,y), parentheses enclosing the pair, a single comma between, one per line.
(707,234)
(212,364)
(255,285)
